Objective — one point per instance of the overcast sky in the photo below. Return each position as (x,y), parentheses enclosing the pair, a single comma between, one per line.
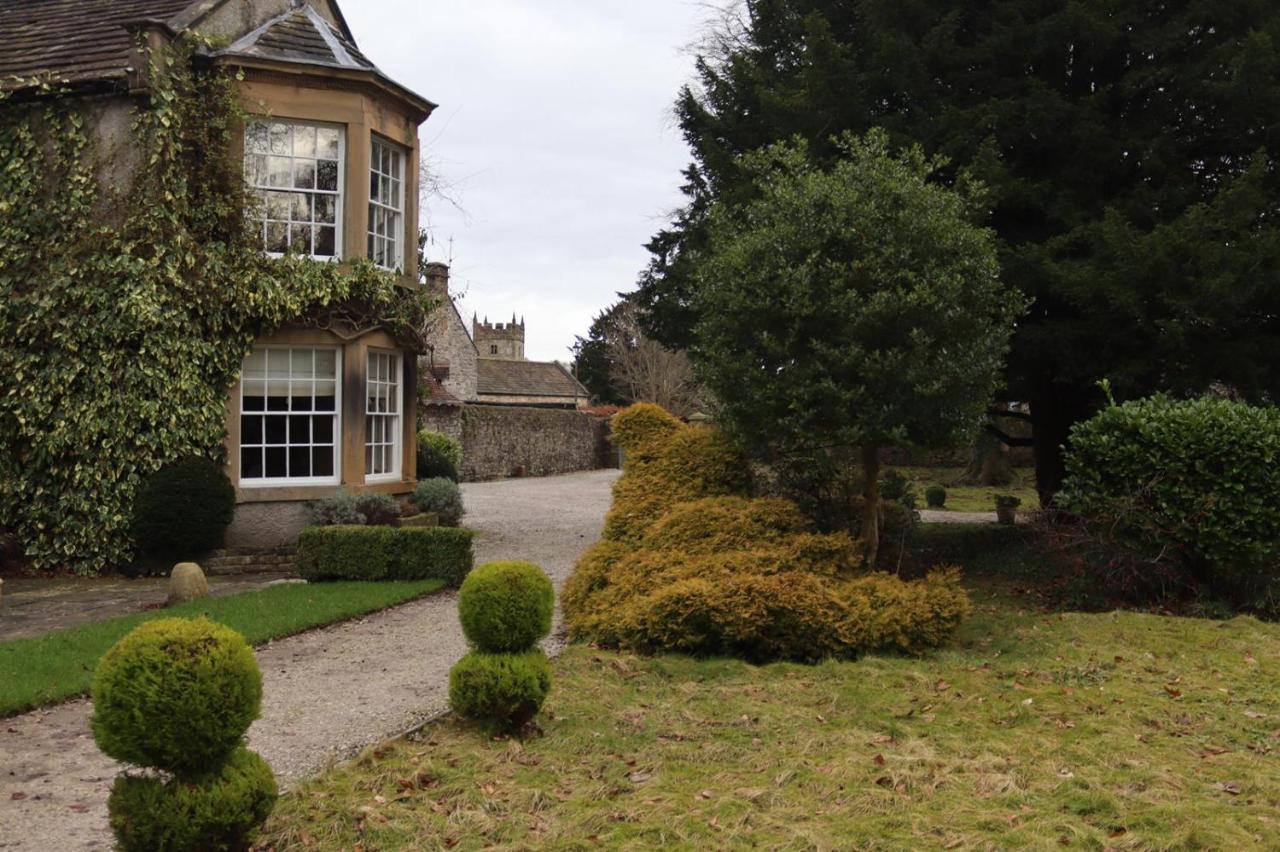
(555,130)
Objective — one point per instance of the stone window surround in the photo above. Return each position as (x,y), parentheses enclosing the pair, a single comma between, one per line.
(354,363)
(366,117)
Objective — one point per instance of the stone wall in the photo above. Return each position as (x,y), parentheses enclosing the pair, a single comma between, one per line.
(498,440)
(442,418)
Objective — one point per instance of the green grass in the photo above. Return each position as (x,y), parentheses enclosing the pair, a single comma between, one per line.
(45,669)
(972,498)
(1036,730)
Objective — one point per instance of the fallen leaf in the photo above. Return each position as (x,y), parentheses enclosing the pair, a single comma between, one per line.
(706,795)
(881,740)
(1173,693)
(80,809)
(942,686)
(1230,787)
(878,760)
(639,777)
(1119,832)
(1250,714)
(18,797)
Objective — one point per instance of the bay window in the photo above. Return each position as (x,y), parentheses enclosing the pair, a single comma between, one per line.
(290,416)
(386,206)
(382,418)
(294,171)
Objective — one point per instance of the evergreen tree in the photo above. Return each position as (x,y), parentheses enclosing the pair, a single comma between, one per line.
(1129,147)
(850,309)
(591,362)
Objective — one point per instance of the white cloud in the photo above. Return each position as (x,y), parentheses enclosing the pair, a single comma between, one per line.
(555,126)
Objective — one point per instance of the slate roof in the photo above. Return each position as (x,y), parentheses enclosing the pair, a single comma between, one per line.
(73,40)
(526,378)
(300,35)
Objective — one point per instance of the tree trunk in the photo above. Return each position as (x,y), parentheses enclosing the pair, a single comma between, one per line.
(871,505)
(1052,416)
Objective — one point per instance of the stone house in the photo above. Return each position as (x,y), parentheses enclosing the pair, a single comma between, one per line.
(331,151)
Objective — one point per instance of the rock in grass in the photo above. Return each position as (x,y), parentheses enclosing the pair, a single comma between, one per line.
(187,583)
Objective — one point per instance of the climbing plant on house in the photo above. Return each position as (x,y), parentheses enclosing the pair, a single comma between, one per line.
(129,308)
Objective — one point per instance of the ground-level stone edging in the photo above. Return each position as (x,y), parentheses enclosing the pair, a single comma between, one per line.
(327,693)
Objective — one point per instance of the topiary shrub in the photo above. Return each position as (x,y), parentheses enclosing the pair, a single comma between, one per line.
(438,456)
(176,694)
(183,510)
(935,496)
(506,606)
(1192,483)
(441,497)
(640,424)
(689,464)
(503,691)
(220,814)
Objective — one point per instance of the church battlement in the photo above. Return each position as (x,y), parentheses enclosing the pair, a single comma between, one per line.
(499,341)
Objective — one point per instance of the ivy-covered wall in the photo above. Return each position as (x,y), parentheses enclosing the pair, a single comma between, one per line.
(120,334)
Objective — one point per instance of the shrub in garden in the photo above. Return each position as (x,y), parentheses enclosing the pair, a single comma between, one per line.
(639,424)
(506,606)
(384,553)
(438,456)
(355,509)
(442,497)
(183,509)
(178,696)
(935,496)
(503,691)
(222,812)
(1194,483)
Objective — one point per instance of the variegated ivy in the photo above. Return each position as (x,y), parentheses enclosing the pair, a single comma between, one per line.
(129,309)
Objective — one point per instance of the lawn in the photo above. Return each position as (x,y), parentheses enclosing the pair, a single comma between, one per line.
(57,666)
(972,498)
(1038,730)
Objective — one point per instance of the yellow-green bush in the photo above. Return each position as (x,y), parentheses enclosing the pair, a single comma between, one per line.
(690,563)
(689,464)
(641,423)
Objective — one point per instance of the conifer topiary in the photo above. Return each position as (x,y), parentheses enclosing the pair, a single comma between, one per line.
(178,696)
(505,608)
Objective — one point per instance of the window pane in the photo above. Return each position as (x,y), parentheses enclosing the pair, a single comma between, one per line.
(304,174)
(300,208)
(255,137)
(280,139)
(276,430)
(277,466)
(253,396)
(279,171)
(304,141)
(300,430)
(299,462)
(250,430)
(322,461)
(300,238)
(255,169)
(326,365)
(325,399)
(277,237)
(301,363)
(326,239)
(327,175)
(250,463)
(322,430)
(325,209)
(255,364)
(327,142)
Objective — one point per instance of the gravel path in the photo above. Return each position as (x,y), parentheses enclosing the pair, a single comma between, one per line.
(327,693)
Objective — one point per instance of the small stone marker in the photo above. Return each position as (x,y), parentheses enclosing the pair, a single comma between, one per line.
(187,583)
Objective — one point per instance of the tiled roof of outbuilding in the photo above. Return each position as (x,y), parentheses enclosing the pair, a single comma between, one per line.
(526,378)
(72,40)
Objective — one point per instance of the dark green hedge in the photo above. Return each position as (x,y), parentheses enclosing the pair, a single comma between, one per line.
(385,553)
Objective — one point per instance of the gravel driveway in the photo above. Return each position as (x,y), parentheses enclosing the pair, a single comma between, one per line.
(327,693)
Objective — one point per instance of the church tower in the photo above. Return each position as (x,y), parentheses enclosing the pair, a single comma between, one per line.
(499,341)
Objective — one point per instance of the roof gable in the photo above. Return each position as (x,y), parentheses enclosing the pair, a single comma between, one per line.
(300,35)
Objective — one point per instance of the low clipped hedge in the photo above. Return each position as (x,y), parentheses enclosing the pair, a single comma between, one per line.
(385,553)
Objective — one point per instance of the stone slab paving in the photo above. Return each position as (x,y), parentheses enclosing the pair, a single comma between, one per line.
(32,606)
(327,693)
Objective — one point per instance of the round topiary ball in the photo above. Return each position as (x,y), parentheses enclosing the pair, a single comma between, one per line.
(183,510)
(502,691)
(176,694)
(935,496)
(506,606)
(222,811)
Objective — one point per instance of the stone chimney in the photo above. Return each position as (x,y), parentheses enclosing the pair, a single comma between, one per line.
(437,275)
